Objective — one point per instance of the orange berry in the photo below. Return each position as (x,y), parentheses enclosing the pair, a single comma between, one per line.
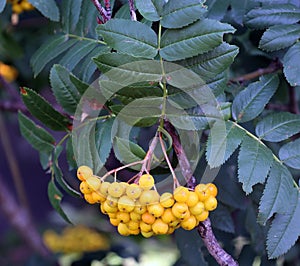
(213,190)
(148,218)
(89,198)
(114,222)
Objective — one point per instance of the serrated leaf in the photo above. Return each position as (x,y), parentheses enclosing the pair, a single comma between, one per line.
(43,110)
(254,163)
(279,36)
(278,126)
(70,12)
(223,140)
(79,84)
(129,37)
(49,51)
(277,191)
(291,67)
(64,90)
(48,8)
(38,137)
(55,197)
(285,229)
(212,63)
(177,14)
(150,9)
(273,14)
(197,38)
(221,219)
(2,5)
(250,102)
(289,154)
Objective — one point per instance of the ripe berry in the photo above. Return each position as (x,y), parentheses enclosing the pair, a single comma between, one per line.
(84,188)
(149,196)
(123,229)
(132,225)
(213,190)
(198,208)
(159,227)
(97,197)
(126,204)
(156,210)
(193,199)
(83,172)
(189,223)
(123,217)
(147,234)
(114,221)
(93,182)
(181,194)
(104,188)
(116,189)
(89,198)
(146,181)
(133,191)
(203,216)
(108,208)
(166,200)
(168,216)
(148,218)
(201,191)
(135,216)
(179,208)
(211,203)
(145,227)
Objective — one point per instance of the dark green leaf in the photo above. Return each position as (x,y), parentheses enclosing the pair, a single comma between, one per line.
(221,219)
(198,38)
(123,12)
(273,14)
(48,8)
(38,137)
(217,9)
(291,66)
(278,126)
(130,37)
(64,90)
(290,154)
(2,5)
(177,14)
(250,102)
(55,197)
(70,12)
(79,84)
(150,9)
(212,63)
(285,229)
(223,140)
(45,160)
(190,245)
(70,155)
(277,192)
(43,110)
(254,163)
(279,36)
(239,9)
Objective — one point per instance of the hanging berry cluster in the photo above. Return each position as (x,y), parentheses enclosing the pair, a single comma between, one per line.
(20,6)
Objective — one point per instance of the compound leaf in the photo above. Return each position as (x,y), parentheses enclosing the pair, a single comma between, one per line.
(150,9)
(291,66)
(290,154)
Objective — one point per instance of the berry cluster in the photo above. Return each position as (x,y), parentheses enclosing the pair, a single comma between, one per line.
(75,239)
(19,6)
(9,73)
(138,208)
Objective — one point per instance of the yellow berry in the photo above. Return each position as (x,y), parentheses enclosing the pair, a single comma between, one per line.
(149,196)
(123,229)
(145,227)
(104,188)
(211,203)
(170,230)
(213,190)
(112,201)
(123,217)
(189,223)
(84,188)
(83,172)
(26,6)
(159,227)
(98,197)
(17,9)
(203,216)
(193,199)
(198,208)
(181,194)
(89,198)
(147,234)
(146,181)
(108,208)
(168,216)
(166,200)
(126,204)
(133,191)
(140,209)
(116,189)
(114,221)
(94,182)
(134,232)
(201,191)
(135,216)
(133,225)
(156,210)
(179,208)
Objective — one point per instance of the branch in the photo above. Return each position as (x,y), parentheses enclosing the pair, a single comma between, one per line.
(293,103)
(19,218)
(273,67)
(132,11)
(204,228)
(101,10)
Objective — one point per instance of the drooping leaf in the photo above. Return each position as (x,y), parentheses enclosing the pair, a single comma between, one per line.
(273,14)
(2,5)
(250,102)
(223,140)
(177,14)
(70,13)
(130,37)
(55,197)
(277,193)
(43,110)
(212,63)
(278,126)
(64,90)
(38,137)
(221,219)
(254,163)
(48,8)
(150,9)
(291,67)
(279,36)
(290,154)
(285,229)
(45,160)
(197,38)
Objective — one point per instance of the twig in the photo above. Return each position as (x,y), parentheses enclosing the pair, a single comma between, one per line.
(19,218)
(277,107)
(273,67)
(204,228)
(107,8)
(212,245)
(132,11)
(293,103)
(101,10)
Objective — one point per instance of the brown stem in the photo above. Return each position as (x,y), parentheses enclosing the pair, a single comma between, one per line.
(293,103)
(132,11)
(101,10)
(19,218)
(213,246)
(204,228)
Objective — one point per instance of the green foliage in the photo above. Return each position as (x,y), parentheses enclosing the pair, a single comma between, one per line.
(2,5)
(49,8)
(289,154)
(291,67)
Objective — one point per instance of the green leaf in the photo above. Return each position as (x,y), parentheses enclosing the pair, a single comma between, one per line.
(123,12)
(223,140)
(48,51)
(239,9)
(273,14)
(70,13)
(217,9)
(45,160)
(289,154)
(38,137)
(64,90)
(190,245)
(279,36)
(222,220)
(198,38)
(43,110)
(177,14)
(79,84)
(277,193)
(2,5)
(129,37)
(48,8)
(254,163)
(55,197)
(285,229)
(250,102)
(291,67)
(70,155)
(212,63)
(150,9)
(278,126)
